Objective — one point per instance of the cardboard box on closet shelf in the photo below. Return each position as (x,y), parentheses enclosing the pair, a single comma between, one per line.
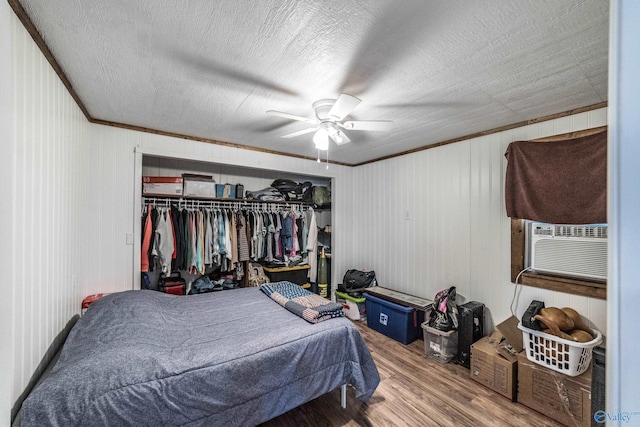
(198,185)
(565,399)
(494,367)
(162,185)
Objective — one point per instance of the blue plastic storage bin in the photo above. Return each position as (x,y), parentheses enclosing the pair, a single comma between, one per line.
(396,321)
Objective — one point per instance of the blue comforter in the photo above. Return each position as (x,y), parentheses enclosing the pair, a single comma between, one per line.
(226,358)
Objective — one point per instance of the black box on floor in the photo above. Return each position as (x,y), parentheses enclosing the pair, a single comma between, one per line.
(470,330)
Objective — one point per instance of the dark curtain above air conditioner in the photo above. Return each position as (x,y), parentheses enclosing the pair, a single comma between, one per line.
(559,182)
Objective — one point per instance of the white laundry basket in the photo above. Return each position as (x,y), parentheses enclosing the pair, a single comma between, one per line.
(568,357)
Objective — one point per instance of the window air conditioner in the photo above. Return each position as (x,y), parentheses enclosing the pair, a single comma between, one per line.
(568,250)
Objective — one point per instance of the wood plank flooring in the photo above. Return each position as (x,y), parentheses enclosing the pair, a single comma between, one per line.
(414,390)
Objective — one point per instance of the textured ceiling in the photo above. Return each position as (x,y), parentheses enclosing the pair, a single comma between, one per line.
(438,69)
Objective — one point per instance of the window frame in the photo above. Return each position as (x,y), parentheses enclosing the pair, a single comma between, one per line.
(584,287)
(588,288)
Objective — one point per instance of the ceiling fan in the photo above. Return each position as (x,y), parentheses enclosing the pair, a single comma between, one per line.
(328,122)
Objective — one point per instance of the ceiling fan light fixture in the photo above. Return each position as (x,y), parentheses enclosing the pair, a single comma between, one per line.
(328,123)
(334,132)
(321,139)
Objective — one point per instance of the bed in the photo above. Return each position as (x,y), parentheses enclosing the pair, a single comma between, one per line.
(226,358)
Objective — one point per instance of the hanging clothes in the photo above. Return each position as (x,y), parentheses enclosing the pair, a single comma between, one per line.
(243,239)
(197,239)
(163,247)
(305,231)
(208,238)
(147,231)
(175,222)
(150,255)
(185,243)
(312,247)
(278,236)
(227,240)
(193,239)
(233,235)
(221,237)
(286,235)
(200,242)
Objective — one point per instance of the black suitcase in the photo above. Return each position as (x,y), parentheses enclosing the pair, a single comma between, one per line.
(470,330)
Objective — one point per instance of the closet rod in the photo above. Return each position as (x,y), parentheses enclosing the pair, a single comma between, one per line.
(239,204)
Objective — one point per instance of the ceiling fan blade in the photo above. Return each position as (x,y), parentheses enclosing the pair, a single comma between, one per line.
(343,106)
(292,117)
(340,138)
(300,132)
(377,125)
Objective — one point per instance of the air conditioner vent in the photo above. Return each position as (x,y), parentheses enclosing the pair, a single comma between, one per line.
(597,231)
(572,257)
(569,250)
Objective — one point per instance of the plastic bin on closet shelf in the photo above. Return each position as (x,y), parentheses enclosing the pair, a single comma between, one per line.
(396,321)
(198,185)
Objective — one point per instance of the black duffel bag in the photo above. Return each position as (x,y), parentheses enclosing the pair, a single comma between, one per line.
(355,282)
(293,191)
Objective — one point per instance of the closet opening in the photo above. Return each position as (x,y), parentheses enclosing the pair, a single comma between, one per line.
(244,201)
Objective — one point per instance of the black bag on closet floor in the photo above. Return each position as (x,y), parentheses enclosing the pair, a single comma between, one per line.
(172,284)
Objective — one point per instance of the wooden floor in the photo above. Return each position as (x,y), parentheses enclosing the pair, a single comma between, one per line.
(414,390)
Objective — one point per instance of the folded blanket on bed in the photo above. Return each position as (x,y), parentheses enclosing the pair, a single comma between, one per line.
(311,307)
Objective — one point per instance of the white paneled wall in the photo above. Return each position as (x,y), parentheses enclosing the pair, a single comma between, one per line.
(51,161)
(436,218)
(412,219)
(6,210)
